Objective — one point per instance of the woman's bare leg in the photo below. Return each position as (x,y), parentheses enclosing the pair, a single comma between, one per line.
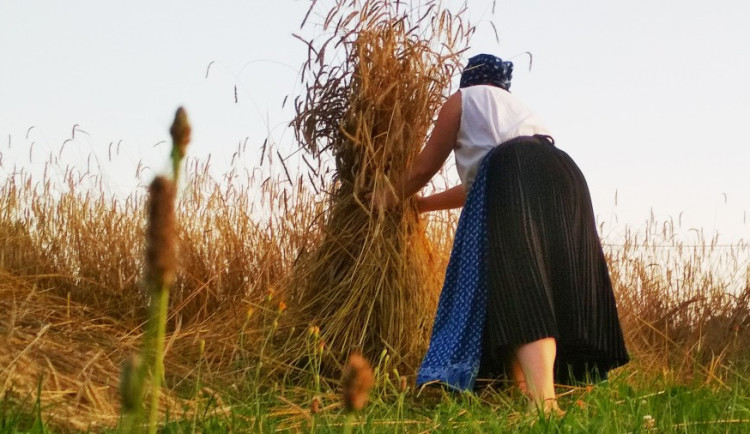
(518,377)
(537,360)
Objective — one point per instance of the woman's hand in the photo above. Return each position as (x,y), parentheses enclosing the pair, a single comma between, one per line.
(382,199)
(419,201)
(454,197)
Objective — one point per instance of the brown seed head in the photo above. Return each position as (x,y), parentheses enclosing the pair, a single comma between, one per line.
(315,406)
(161,234)
(314,331)
(180,132)
(356,381)
(402,386)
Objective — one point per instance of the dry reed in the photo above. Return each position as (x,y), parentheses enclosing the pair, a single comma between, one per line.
(372,89)
(66,350)
(684,306)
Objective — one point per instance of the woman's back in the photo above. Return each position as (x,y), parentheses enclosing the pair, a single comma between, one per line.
(489,116)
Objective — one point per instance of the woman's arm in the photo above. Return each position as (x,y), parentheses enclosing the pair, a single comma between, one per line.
(436,151)
(430,159)
(452,198)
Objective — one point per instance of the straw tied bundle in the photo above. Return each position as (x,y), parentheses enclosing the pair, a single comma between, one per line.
(371,284)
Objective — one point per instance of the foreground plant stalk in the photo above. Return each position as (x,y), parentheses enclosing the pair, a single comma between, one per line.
(161,269)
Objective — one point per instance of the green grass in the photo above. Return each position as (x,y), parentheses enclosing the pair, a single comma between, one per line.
(624,404)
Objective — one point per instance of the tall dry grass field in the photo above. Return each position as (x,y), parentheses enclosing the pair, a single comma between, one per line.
(72,272)
(72,267)
(684,301)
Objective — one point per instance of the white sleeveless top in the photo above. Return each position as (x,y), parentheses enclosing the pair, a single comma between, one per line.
(489,116)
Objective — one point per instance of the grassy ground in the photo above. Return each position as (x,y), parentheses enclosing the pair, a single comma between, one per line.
(623,404)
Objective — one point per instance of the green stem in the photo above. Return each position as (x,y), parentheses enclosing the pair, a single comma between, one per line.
(176,160)
(195,394)
(256,380)
(349,423)
(159,324)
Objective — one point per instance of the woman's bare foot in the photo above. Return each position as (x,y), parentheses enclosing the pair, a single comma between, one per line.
(550,408)
(537,360)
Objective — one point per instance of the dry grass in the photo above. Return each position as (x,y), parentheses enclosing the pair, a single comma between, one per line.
(72,270)
(684,305)
(66,351)
(72,284)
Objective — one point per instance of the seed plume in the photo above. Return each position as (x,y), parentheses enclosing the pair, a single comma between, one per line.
(161,234)
(180,132)
(357,380)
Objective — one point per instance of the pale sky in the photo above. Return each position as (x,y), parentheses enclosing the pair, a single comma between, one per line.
(650,97)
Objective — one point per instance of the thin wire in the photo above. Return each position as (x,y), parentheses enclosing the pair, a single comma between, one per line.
(667,246)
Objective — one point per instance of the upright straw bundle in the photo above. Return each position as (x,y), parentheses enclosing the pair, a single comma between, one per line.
(372,284)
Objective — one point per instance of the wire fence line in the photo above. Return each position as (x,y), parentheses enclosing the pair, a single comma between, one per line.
(740,246)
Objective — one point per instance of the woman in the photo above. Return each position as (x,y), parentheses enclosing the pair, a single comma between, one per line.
(527,290)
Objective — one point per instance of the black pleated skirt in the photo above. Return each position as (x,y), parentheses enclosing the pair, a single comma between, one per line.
(546,272)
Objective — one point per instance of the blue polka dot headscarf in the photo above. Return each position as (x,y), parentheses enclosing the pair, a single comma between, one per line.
(487,69)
